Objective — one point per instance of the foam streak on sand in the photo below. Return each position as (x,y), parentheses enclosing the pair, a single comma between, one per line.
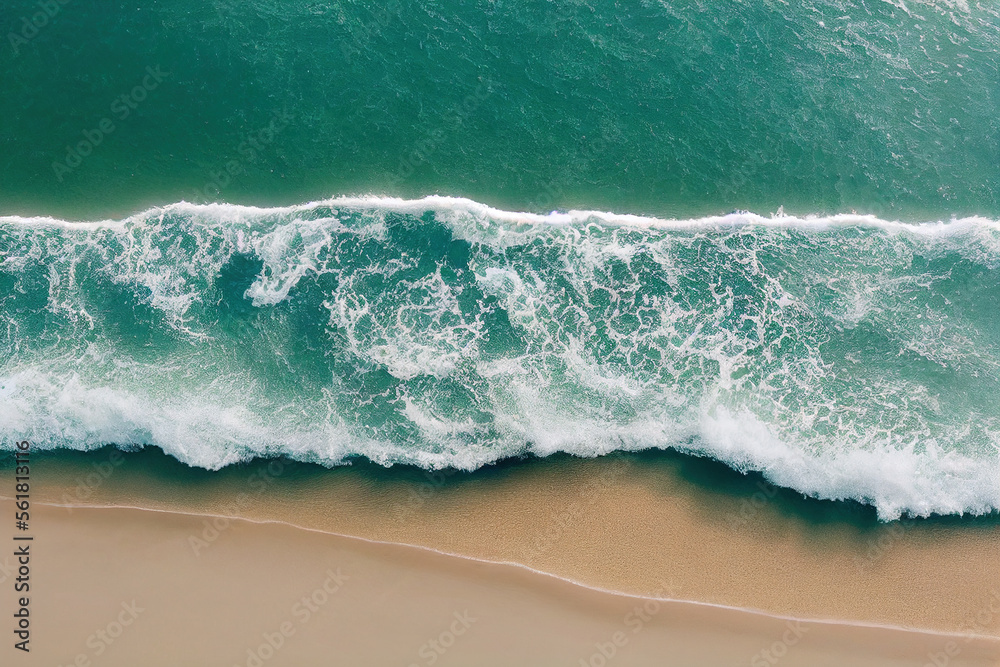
(844,356)
(383,580)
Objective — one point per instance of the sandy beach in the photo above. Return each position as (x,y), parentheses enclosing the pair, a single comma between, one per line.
(500,334)
(277,595)
(548,552)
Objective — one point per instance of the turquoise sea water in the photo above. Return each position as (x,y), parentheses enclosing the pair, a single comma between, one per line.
(529,232)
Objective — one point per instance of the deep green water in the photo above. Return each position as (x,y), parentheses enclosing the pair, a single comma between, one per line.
(669,108)
(844,355)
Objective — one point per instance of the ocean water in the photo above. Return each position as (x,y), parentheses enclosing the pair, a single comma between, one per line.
(678,109)
(762,232)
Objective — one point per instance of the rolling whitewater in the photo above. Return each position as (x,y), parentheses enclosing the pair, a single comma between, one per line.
(846,356)
(765,233)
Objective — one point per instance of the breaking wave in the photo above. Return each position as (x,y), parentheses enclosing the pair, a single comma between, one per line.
(844,356)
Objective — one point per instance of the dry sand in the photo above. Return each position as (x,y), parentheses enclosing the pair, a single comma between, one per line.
(642,526)
(616,523)
(124,587)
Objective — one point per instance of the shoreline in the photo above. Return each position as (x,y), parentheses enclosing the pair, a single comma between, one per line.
(247,586)
(846,623)
(618,524)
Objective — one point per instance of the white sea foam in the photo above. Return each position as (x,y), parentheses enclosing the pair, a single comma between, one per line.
(241,214)
(797,422)
(205,432)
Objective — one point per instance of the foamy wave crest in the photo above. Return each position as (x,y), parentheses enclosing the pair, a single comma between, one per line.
(844,356)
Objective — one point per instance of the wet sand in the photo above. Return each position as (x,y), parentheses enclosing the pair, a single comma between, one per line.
(126,587)
(621,523)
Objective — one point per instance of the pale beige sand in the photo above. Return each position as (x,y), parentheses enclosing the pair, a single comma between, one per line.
(614,524)
(133,576)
